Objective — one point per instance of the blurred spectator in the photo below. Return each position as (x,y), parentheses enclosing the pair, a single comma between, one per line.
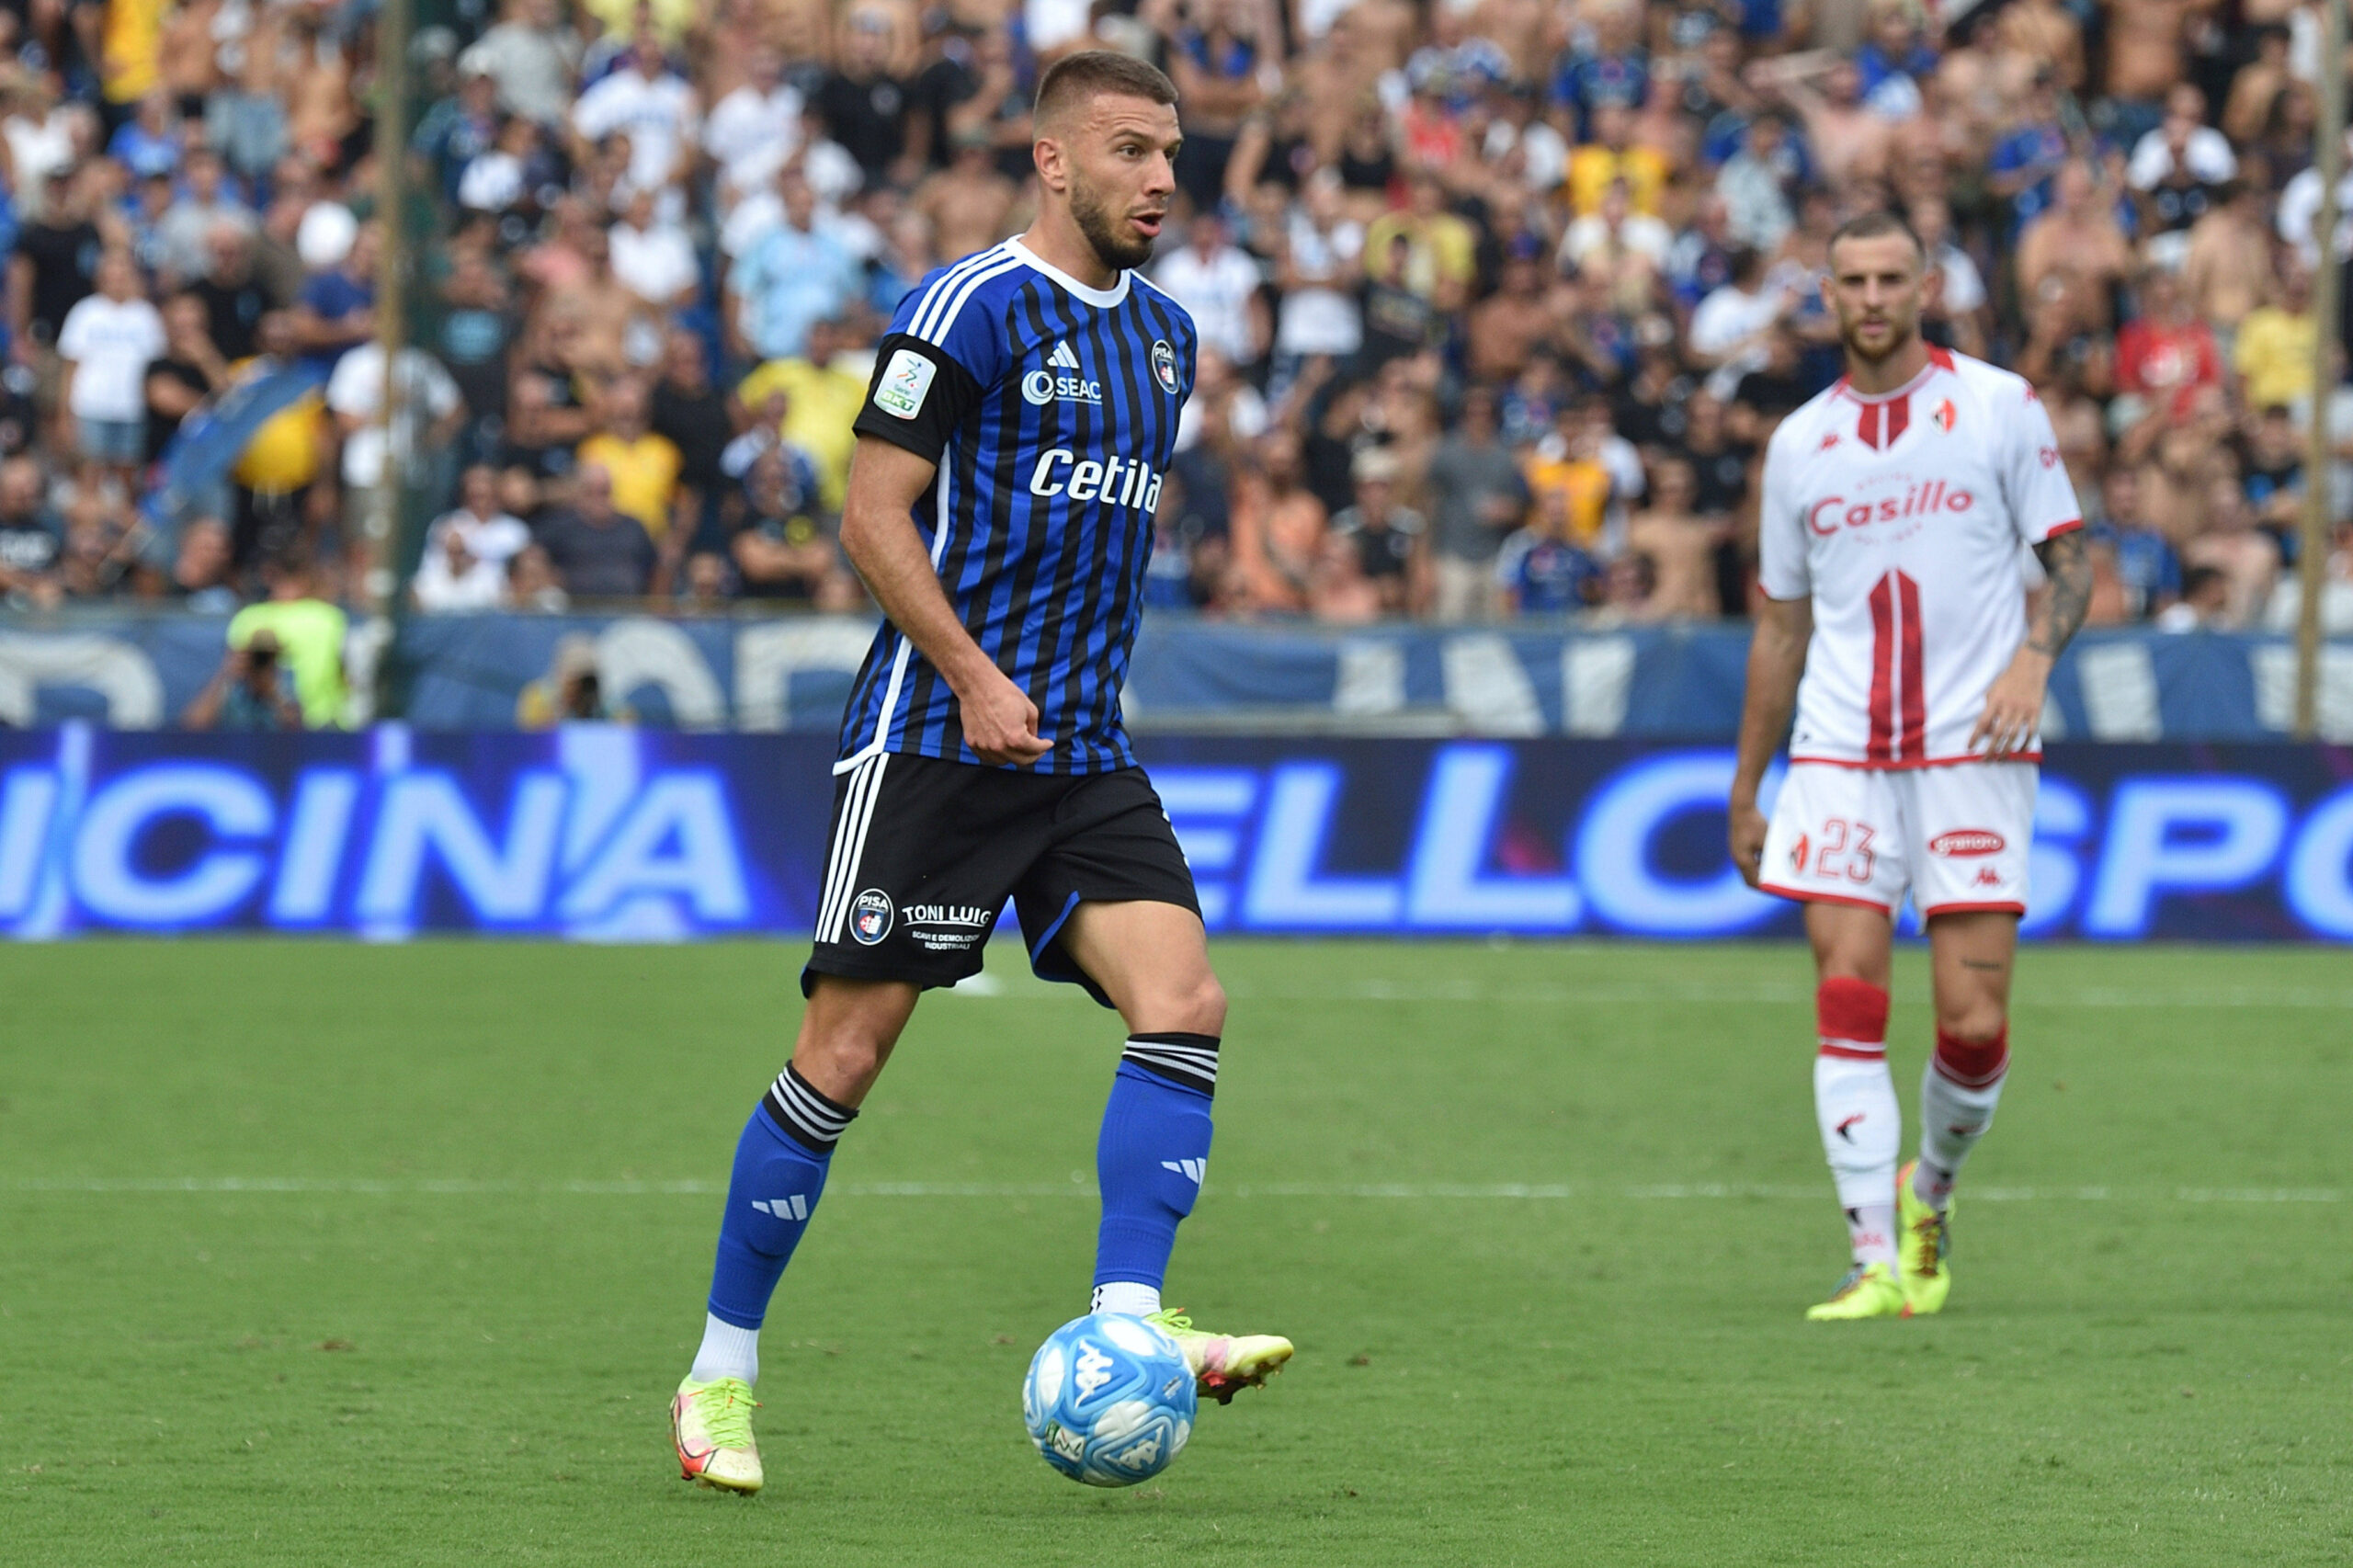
(2163,357)
(188,369)
(199,578)
(794,275)
(32,538)
(532,56)
(1391,540)
(1679,544)
(1279,529)
(2273,350)
(572,692)
(428,414)
(598,550)
(643,99)
(2204,604)
(469,550)
(2148,572)
(53,267)
(2247,558)
(641,465)
(783,547)
(336,311)
(1477,498)
(309,632)
(1218,284)
(823,389)
(106,342)
(1541,570)
(252,690)
(233,296)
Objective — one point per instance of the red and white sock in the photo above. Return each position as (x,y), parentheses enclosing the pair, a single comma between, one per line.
(1853,1100)
(1958,1093)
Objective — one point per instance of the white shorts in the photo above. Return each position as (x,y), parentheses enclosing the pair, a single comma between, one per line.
(1957,836)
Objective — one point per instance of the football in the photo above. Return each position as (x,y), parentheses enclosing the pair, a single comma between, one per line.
(1108,1399)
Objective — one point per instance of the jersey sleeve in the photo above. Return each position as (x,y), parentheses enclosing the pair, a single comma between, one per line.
(2034,480)
(1782,569)
(945,350)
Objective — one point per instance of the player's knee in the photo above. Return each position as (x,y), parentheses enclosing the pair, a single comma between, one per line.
(1976,1020)
(841,1065)
(1198,1007)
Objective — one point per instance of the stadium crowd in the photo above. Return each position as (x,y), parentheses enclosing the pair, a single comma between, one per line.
(1499,299)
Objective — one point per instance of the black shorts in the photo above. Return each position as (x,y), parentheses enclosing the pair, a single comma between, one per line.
(925,853)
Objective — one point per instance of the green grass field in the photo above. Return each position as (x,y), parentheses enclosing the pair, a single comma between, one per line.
(316,1253)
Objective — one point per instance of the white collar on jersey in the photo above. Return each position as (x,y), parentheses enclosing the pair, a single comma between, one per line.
(1099,297)
(1939,359)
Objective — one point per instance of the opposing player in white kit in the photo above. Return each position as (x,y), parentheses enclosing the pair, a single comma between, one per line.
(1897,509)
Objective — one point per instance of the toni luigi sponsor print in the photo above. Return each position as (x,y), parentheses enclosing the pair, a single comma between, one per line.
(934,927)
(606,833)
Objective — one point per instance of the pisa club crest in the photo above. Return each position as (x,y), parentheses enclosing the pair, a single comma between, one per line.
(1164,366)
(869,917)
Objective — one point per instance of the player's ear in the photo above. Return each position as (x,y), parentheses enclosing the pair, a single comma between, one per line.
(1054,167)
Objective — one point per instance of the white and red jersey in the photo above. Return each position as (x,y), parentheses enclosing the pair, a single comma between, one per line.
(1903,517)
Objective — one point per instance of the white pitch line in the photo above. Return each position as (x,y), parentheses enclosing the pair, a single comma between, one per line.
(1410,1191)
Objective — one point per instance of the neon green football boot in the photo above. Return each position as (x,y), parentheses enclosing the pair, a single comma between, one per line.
(1924,1248)
(1224,1363)
(1868,1290)
(711,1424)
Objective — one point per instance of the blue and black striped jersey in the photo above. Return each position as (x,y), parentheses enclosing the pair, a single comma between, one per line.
(1050,408)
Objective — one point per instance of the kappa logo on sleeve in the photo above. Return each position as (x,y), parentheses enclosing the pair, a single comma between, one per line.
(900,392)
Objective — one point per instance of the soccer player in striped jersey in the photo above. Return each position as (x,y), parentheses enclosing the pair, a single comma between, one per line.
(1898,508)
(1010,453)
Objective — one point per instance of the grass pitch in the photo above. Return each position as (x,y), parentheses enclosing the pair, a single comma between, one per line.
(317,1254)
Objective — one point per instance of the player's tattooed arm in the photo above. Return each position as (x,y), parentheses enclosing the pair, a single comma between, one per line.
(2014,703)
(2069,568)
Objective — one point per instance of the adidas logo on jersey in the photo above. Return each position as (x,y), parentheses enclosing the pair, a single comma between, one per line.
(793,1208)
(1043,387)
(1191,1170)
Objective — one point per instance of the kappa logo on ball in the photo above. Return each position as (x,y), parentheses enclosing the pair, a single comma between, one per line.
(870,916)
(1164,366)
(1966,843)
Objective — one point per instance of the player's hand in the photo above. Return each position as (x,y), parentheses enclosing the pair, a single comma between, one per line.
(1748,840)
(2013,706)
(1000,722)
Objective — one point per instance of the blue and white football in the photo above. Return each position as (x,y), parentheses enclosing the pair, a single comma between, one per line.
(1108,1399)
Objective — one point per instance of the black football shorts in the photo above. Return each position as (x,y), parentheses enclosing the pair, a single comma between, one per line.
(925,853)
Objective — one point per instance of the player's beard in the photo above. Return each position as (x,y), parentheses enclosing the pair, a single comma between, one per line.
(1902,336)
(1116,249)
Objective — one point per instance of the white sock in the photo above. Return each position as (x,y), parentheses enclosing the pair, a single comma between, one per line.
(727,1352)
(1954,1113)
(1853,1100)
(1126,1297)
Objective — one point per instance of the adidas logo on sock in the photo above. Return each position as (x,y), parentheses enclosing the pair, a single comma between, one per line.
(792,1208)
(1062,357)
(1191,1170)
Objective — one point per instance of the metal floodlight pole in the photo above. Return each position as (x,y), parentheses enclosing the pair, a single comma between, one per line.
(379,585)
(2320,466)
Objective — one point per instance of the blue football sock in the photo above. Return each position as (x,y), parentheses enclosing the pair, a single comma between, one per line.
(780,1165)
(1153,1153)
